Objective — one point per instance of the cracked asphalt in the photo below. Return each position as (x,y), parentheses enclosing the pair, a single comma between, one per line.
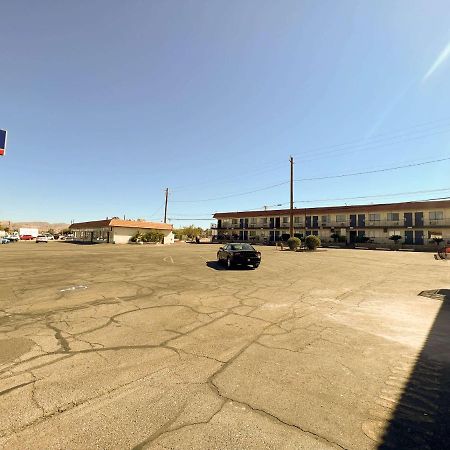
(146,347)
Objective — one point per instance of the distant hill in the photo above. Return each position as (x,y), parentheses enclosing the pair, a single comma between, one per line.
(41,226)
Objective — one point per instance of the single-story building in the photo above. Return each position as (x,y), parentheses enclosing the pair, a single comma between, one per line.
(118,231)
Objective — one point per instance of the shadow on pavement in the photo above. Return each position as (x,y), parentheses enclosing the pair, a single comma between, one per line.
(216,266)
(421,419)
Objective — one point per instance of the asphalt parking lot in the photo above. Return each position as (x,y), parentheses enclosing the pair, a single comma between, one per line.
(158,347)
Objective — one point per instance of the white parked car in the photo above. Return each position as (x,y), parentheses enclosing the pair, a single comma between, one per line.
(12,237)
(41,238)
(50,237)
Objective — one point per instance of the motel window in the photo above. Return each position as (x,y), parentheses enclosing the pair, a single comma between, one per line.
(285,219)
(253,220)
(436,215)
(395,233)
(234,221)
(252,233)
(340,218)
(393,217)
(325,219)
(374,217)
(297,220)
(264,220)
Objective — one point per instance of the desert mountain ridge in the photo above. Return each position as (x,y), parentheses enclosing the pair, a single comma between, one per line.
(41,226)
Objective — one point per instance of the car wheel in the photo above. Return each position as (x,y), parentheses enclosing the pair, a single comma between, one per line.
(229,263)
(256,265)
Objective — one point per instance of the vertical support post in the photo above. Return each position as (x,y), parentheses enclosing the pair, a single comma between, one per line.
(291,210)
(165,207)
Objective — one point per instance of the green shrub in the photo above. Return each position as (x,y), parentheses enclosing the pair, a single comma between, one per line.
(137,237)
(153,236)
(312,242)
(395,238)
(294,243)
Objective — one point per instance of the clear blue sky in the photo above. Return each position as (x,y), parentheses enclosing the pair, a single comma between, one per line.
(109,102)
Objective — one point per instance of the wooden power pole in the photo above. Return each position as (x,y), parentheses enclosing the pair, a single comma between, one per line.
(291,210)
(165,207)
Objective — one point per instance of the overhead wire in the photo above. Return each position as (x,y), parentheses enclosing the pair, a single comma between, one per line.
(352,174)
(342,175)
(359,198)
(377,141)
(362,141)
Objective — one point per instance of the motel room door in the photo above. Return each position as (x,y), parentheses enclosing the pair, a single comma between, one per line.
(418,237)
(243,235)
(418,219)
(408,219)
(409,239)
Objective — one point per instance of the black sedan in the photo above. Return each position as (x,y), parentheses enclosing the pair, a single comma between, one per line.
(238,254)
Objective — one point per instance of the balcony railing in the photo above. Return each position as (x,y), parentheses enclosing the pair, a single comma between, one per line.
(433,223)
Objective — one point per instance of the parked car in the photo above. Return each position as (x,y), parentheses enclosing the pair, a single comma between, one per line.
(50,237)
(4,240)
(41,238)
(12,237)
(26,237)
(61,238)
(238,254)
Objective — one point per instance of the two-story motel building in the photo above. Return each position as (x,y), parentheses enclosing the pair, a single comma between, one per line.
(417,222)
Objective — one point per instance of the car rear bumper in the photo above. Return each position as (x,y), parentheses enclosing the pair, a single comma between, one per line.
(248,261)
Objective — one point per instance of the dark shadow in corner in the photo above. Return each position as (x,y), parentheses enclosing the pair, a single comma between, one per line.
(421,419)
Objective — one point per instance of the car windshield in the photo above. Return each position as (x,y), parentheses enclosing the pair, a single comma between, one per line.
(241,247)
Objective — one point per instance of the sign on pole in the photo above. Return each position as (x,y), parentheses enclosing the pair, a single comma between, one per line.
(2,142)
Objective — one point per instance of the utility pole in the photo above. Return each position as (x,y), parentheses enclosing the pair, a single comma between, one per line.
(291,211)
(165,207)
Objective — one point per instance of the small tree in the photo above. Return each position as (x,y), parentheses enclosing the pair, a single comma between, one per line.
(294,243)
(312,242)
(395,238)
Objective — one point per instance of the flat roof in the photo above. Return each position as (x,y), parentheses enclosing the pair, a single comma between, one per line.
(414,205)
(121,223)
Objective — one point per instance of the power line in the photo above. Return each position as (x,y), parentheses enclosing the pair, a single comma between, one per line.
(379,140)
(374,171)
(375,196)
(177,218)
(399,135)
(231,195)
(239,194)
(376,146)
(360,198)
(157,210)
